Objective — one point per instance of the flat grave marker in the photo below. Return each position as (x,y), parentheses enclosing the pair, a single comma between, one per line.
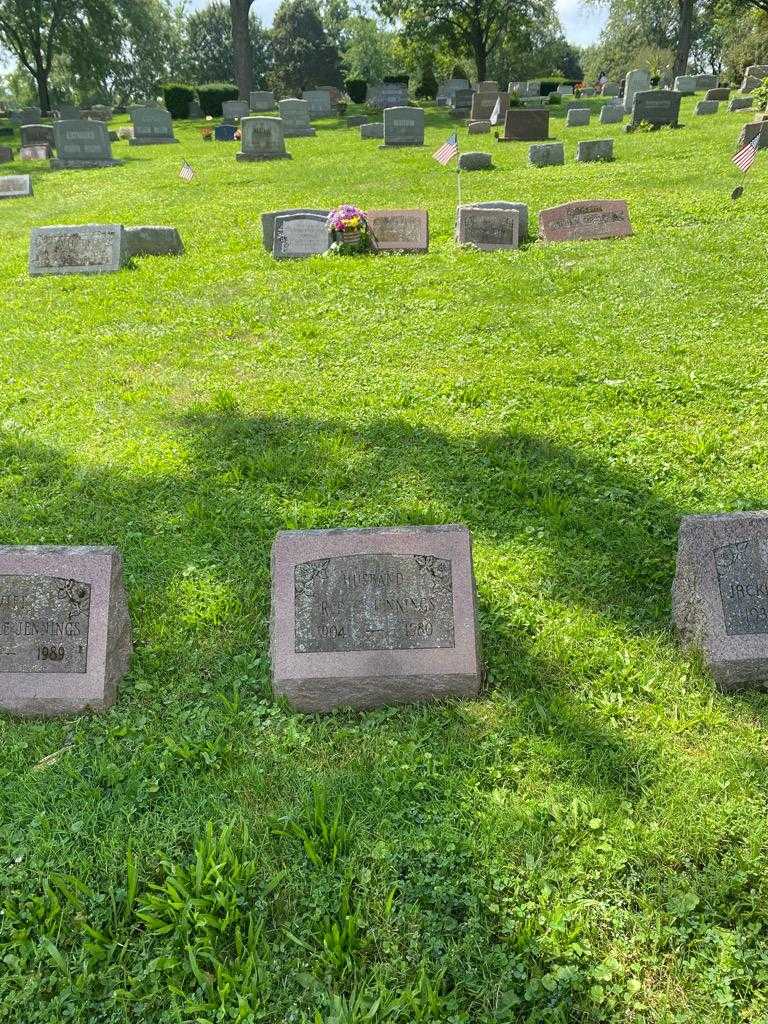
(488,228)
(584,220)
(594,151)
(547,154)
(398,230)
(15,186)
(77,249)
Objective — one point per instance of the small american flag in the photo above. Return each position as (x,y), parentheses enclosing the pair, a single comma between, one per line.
(496,113)
(746,155)
(186,173)
(448,150)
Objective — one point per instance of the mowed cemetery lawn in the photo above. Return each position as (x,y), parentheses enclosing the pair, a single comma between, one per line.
(587,841)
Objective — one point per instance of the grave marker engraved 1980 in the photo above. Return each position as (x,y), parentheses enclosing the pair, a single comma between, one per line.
(720,594)
(65,637)
(364,618)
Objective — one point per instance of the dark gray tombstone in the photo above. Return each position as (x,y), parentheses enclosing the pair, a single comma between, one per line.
(295,117)
(268,222)
(479,127)
(740,103)
(195,112)
(611,114)
(488,227)
(398,230)
(66,112)
(706,82)
(37,135)
(152,126)
(262,101)
(365,618)
(502,204)
(6,154)
(224,133)
(475,162)
(374,130)
(657,108)
(721,95)
(594,151)
(357,121)
(262,139)
(547,154)
(15,186)
(298,235)
(461,105)
(77,249)
(706,107)
(525,125)
(153,240)
(65,632)
(720,594)
(403,126)
(82,144)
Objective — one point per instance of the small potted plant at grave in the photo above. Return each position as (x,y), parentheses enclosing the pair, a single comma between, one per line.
(349,229)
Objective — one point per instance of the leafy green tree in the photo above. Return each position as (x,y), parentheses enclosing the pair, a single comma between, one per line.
(32,31)
(208,55)
(369,50)
(302,54)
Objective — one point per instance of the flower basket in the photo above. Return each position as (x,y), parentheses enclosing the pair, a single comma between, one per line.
(349,230)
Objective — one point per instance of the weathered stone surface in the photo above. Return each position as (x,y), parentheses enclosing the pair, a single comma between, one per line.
(706,82)
(475,161)
(153,240)
(82,144)
(295,116)
(638,80)
(740,103)
(657,107)
(37,134)
(65,632)
(152,126)
(488,227)
(398,230)
(526,125)
(319,101)
(297,235)
(502,204)
(611,89)
(66,112)
(403,126)
(479,127)
(262,139)
(706,107)
(594,151)
(15,186)
(372,131)
(358,120)
(565,90)
(483,104)
(461,104)
(29,115)
(268,222)
(387,94)
(77,249)
(720,594)
(749,84)
(685,84)
(366,618)
(718,94)
(195,110)
(577,117)
(588,91)
(6,154)
(262,101)
(235,109)
(611,113)
(548,154)
(584,220)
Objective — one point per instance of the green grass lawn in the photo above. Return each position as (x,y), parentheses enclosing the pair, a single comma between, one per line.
(586,842)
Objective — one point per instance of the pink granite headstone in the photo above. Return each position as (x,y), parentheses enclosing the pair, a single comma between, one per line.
(584,220)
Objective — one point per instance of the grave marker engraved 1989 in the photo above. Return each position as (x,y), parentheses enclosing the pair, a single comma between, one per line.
(720,594)
(364,618)
(65,638)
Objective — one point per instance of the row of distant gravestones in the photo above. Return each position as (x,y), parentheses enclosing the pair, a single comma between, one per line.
(360,618)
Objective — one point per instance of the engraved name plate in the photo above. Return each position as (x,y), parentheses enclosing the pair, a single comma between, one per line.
(373,602)
(742,576)
(43,624)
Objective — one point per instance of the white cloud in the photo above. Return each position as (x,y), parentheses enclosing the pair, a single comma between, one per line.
(581,25)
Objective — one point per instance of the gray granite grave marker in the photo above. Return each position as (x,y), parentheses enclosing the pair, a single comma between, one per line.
(153,240)
(295,117)
(706,82)
(594,151)
(638,80)
(262,101)
(685,84)
(82,144)
(502,204)
(77,249)
(374,130)
(319,101)
(475,161)
(297,235)
(268,223)
(262,139)
(657,107)
(547,154)
(488,227)
(398,230)
(577,117)
(37,135)
(740,103)
(65,632)
(365,618)
(718,94)
(706,107)
(234,109)
(611,114)
(403,126)
(479,127)
(152,126)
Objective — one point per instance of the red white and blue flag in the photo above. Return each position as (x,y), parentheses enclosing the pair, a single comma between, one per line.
(746,155)
(448,150)
(186,173)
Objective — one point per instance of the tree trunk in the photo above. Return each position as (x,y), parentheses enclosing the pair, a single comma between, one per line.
(41,81)
(481,58)
(685,10)
(241,46)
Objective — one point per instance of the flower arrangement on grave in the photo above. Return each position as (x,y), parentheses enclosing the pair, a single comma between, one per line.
(207,132)
(349,229)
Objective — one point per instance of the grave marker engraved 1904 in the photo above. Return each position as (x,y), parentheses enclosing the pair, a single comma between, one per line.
(65,637)
(720,594)
(364,618)
(398,230)
(584,220)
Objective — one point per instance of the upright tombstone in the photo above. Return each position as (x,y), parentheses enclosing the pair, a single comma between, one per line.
(479,127)
(298,235)
(685,84)
(262,139)
(718,94)
(638,80)
(470,161)
(29,115)
(152,126)
(706,82)
(577,117)
(565,90)
(754,76)
(461,104)
(547,154)
(65,632)
(526,125)
(224,133)
(295,117)
(82,144)
(387,94)
(15,186)
(611,89)
(740,103)
(488,227)
(398,230)
(754,130)
(234,109)
(66,112)
(319,101)
(194,111)
(706,107)
(585,220)
(720,594)
(403,126)
(39,151)
(374,130)
(483,104)
(262,101)
(269,219)
(366,618)
(611,114)
(37,135)
(6,154)
(657,108)
(594,151)
(77,249)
